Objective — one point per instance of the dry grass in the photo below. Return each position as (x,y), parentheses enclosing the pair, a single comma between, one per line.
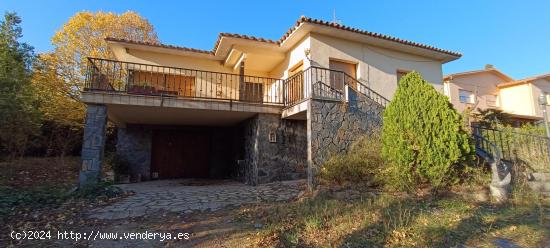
(402,221)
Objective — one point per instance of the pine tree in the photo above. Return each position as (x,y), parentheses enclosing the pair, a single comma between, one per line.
(19,117)
(423,136)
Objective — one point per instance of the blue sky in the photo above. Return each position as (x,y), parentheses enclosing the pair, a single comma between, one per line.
(511,35)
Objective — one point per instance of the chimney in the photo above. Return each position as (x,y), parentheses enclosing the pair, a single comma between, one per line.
(489,67)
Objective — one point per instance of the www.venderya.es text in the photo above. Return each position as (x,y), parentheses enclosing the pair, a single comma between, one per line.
(98,235)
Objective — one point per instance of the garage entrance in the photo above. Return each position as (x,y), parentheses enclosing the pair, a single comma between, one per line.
(194,152)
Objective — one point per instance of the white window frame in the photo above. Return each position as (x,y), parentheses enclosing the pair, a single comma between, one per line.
(471,96)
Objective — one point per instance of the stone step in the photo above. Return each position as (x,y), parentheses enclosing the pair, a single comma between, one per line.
(539,176)
(539,186)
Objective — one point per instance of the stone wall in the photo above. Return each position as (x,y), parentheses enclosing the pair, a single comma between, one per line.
(93,144)
(283,159)
(134,144)
(335,125)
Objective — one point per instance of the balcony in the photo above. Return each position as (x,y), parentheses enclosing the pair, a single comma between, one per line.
(170,83)
(326,84)
(153,80)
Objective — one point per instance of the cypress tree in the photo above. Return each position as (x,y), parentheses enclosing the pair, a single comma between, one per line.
(423,136)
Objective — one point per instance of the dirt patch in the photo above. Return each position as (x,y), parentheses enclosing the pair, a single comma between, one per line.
(39,171)
(37,194)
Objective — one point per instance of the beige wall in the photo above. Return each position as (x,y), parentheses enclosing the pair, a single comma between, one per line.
(539,87)
(206,85)
(377,67)
(518,100)
(294,56)
(483,85)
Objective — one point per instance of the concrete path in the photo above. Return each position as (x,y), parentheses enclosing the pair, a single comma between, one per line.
(183,196)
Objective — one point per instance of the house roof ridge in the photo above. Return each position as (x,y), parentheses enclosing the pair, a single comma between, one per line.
(302,19)
(524,80)
(157,45)
(510,79)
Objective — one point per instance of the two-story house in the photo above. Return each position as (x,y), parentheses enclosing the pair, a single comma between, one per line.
(253,109)
(492,89)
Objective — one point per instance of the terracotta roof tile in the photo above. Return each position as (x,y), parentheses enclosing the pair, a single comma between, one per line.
(301,20)
(158,45)
(240,36)
(304,19)
(523,81)
(466,73)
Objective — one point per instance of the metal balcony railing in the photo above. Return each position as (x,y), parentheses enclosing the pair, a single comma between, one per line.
(322,83)
(514,145)
(145,79)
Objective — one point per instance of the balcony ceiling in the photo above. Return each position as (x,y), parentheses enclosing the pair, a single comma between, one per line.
(128,114)
(255,58)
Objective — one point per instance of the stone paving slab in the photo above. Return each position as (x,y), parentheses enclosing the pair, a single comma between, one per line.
(176,196)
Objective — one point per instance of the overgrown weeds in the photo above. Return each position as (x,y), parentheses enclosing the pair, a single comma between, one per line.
(400,221)
(359,165)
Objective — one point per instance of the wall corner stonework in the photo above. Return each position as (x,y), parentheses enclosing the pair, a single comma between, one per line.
(93,144)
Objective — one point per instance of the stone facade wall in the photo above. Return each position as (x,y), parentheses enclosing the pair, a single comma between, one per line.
(335,125)
(284,159)
(93,144)
(134,144)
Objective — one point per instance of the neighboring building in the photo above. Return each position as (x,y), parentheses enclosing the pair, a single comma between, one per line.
(475,89)
(253,109)
(521,97)
(492,89)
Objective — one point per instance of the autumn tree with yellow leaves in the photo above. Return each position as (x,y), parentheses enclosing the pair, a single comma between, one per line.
(59,75)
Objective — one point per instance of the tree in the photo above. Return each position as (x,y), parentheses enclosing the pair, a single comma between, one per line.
(19,117)
(62,113)
(84,36)
(59,75)
(423,136)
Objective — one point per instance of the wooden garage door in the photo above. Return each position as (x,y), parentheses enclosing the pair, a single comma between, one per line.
(180,153)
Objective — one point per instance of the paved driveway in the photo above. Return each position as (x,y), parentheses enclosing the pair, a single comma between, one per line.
(187,196)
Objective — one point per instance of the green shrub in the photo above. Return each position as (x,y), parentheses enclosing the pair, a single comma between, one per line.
(119,164)
(424,140)
(359,164)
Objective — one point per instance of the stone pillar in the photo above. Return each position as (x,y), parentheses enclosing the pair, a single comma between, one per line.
(312,181)
(134,144)
(93,144)
(251,151)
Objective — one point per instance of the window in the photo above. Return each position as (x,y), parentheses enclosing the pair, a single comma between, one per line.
(348,68)
(298,67)
(466,96)
(295,82)
(491,100)
(337,78)
(148,82)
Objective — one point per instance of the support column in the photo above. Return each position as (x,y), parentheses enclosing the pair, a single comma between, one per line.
(93,144)
(312,180)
